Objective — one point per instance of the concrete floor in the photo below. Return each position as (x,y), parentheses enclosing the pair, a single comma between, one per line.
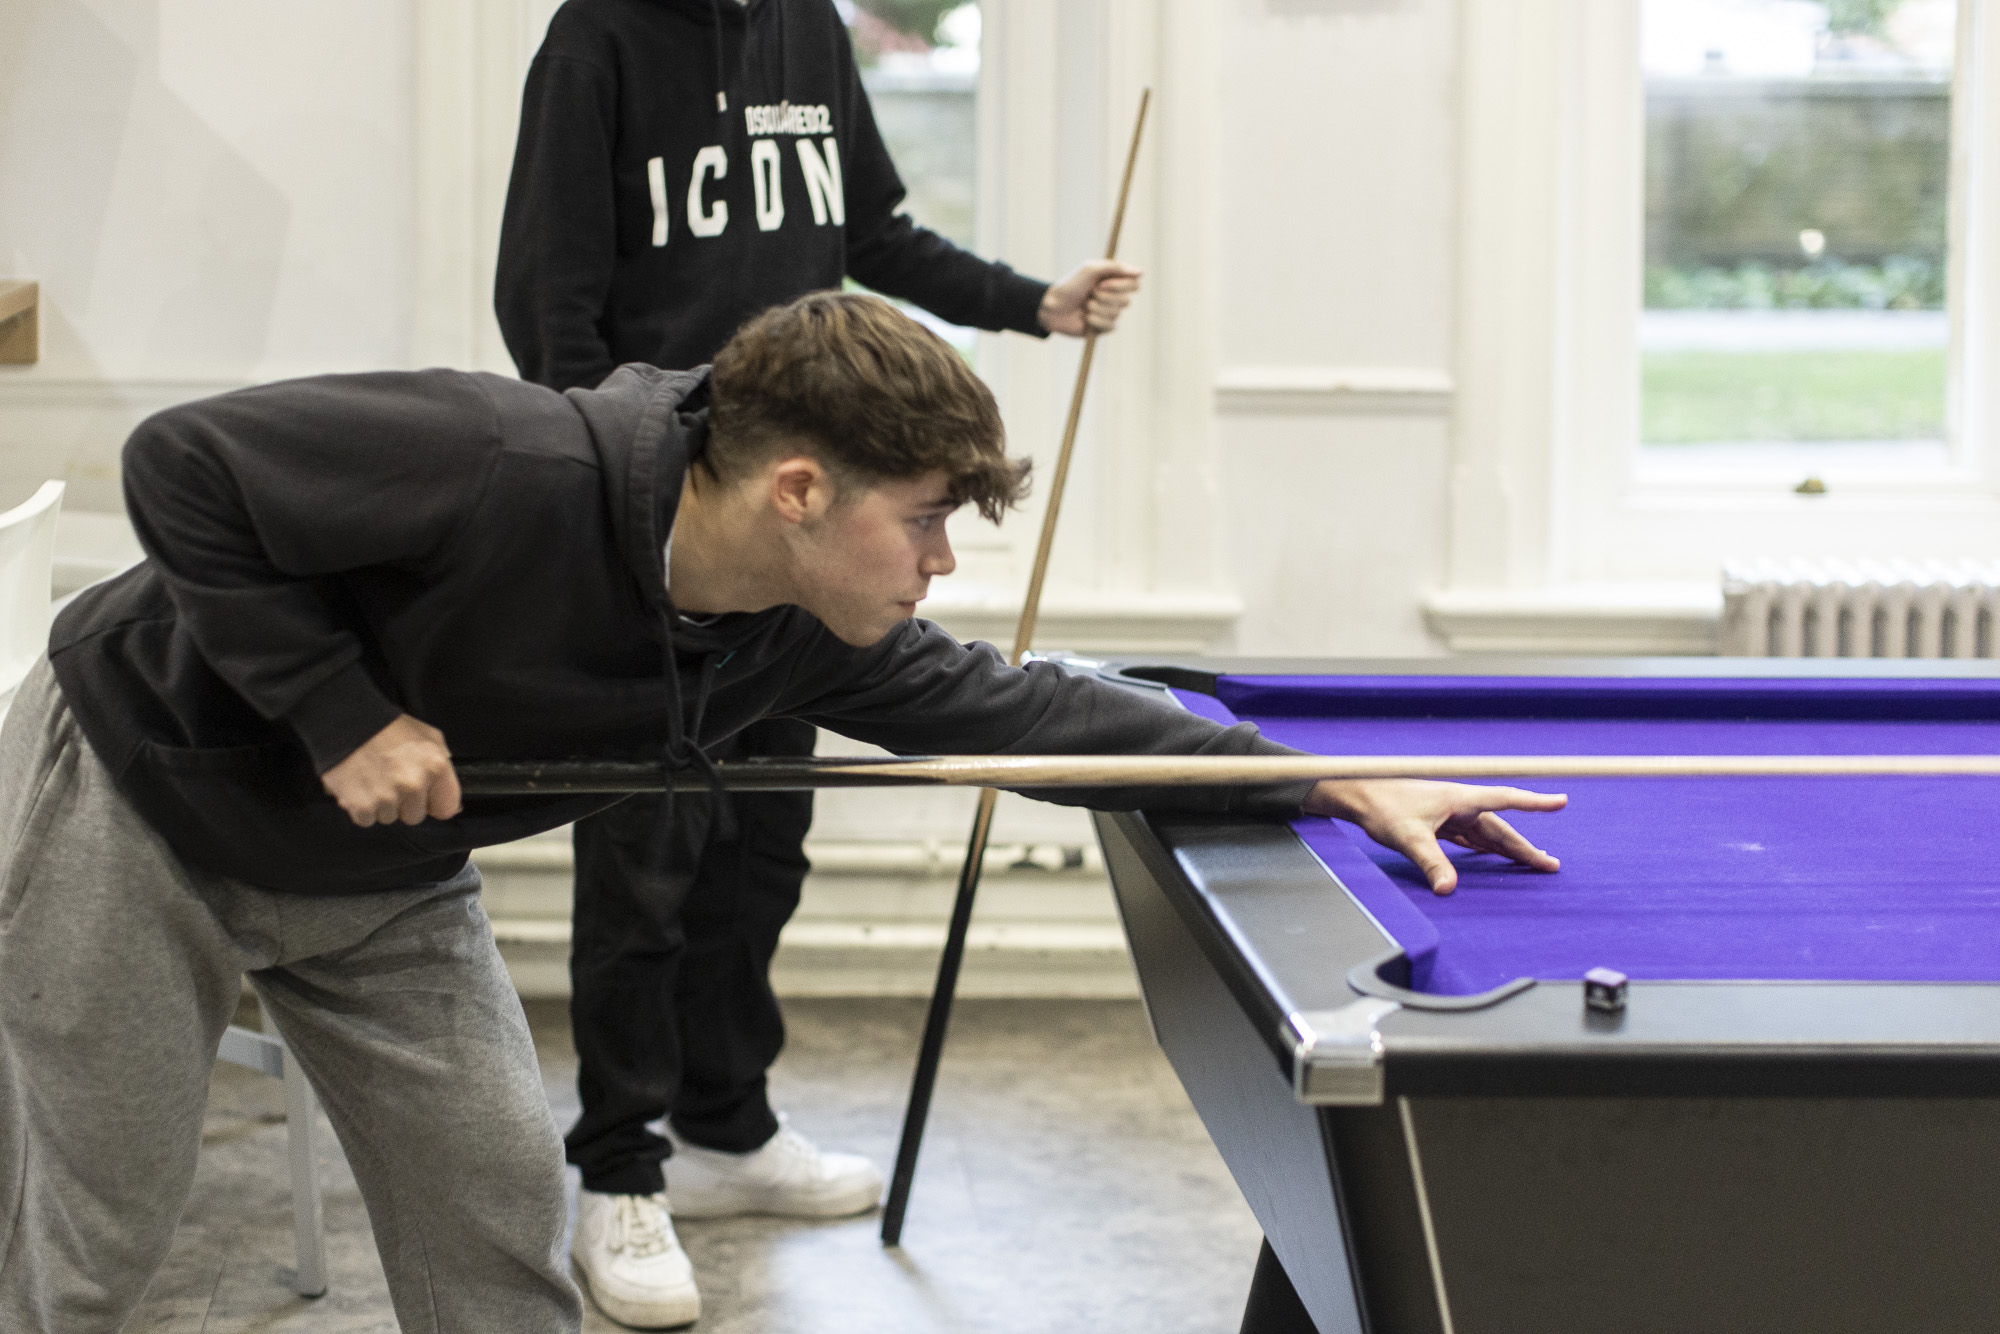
(1066,1185)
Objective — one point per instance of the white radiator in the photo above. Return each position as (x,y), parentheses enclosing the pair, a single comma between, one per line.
(1861,609)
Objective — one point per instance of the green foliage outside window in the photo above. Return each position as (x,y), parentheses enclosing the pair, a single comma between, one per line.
(918,18)
(1900,282)
(1863,17)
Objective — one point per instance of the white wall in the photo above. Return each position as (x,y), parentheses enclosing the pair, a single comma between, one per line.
(211,192)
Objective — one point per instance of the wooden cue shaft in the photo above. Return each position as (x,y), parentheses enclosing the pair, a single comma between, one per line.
(932,1045)
(1083,771)
(1031,605)
(1230,770)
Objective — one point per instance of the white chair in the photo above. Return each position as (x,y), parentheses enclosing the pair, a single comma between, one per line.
(27,554)
(268,1055)
(27,551)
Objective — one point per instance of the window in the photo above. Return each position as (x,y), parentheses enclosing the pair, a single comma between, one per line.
(1797,191)
(920,64)
(1592,447)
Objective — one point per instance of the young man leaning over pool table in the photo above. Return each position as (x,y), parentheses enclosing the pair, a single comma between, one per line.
(241,760)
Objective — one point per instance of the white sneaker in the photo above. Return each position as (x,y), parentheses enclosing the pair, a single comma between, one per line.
(632,1262)
(790,1176)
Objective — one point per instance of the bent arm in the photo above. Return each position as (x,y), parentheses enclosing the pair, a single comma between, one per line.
(889,252)
(252,504)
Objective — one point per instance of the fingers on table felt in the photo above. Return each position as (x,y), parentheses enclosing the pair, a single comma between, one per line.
(1517,799)
(1487,832)
(1417,840)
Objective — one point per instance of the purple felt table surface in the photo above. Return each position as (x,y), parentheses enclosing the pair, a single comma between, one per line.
(1806,879)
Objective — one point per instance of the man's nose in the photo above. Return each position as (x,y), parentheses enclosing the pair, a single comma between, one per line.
(941,561)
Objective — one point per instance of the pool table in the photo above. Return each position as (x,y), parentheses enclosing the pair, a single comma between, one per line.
(1793,1123)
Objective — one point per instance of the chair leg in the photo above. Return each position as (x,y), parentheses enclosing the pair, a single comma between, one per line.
(308,1217)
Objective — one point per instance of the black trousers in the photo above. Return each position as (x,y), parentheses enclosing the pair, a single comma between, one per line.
(1274,1306)
(670,989)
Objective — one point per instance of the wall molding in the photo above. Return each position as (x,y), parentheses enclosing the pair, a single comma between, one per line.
(100,392)
(871,923)
(1623,619)
(868,959)
(1368,390)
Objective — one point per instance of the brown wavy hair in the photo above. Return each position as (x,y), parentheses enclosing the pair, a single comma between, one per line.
(871,393)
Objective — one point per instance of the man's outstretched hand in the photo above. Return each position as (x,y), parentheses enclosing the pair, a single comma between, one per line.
(403,773)
(1410,816)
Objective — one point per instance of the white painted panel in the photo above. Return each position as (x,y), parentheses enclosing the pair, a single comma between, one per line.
(1337,528)
(1336,190)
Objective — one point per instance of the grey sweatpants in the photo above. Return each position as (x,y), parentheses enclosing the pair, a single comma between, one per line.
(119,969)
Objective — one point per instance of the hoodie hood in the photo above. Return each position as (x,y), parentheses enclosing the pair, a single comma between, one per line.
(729,16)
(647,430)
(647,426)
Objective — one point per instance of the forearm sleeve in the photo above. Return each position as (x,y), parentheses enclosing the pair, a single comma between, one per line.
(889,252)
(921,692)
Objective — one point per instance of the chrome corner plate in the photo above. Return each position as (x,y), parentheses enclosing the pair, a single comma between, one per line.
(1337,1054)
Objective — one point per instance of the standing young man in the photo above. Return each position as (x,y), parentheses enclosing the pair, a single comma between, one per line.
(682,165)
(239,757)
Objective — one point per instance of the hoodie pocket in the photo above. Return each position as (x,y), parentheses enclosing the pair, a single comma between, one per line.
(224,761)
(276,771)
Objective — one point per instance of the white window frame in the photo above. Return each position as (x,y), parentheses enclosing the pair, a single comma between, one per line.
(1561,537)
(471,59)
(1139,552)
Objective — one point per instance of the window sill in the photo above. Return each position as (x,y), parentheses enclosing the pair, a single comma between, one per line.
(1619,619)
(1374,390)
(1768,475)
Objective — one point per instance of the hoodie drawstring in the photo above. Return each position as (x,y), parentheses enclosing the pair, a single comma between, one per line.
(780,4)
(715,33)
(721,97)
(683,748)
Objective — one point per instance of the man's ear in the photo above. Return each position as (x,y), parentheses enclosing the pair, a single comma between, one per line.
(799,488)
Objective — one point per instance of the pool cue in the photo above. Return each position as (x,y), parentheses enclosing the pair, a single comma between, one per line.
(939,1017)
(1079,771)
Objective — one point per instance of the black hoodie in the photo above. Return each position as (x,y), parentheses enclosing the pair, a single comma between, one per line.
(488,556)
(684,164)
